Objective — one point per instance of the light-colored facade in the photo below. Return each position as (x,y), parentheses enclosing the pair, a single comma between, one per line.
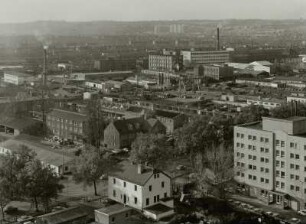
(17,78)
(270,160)
(161,62)
(299,99)
(266,103)
(205,57)
(139,189)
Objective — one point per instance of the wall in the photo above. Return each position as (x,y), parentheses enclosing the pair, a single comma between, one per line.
(157,189)
(128,190)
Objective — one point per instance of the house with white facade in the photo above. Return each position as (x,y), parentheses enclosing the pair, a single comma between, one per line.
(142,188)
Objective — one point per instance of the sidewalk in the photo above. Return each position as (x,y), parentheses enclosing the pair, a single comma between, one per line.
(286,214)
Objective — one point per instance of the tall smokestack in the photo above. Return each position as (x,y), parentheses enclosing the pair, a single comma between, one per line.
(218,38)
(45,67)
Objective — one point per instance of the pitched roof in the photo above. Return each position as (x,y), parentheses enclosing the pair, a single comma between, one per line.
(158,209)
(66,215)
(133,125)
(129,172)
(69,115)
(162,113)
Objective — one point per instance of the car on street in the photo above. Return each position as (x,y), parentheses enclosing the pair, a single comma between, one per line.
(302,212)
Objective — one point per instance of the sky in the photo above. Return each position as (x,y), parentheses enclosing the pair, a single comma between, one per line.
(16,11)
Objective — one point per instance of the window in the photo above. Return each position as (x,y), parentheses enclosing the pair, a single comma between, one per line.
(291,166)
(147,201)
(291,155)
(250,137)
(114,193)
(262,180)
(254,147)
(113,219)
(154,199)
(165,195)
(157,197)
(262,159)
(261,139)
(297,167)
(124,184)
(282,185)
(266,150)
(291,187)
(127,215)
(254,157)
(277,173)
(114,180)
(297,177)
(163,184)
(238,135)
(242,135)
(250,147)
(277,184)
(291,176)
(291,146)
(282,164)
(135,187)
(150,188)
(277,163)
(266,160)
(267,170)
(282,174)
(267,181)
(135,200)
(277,142)
(277,152)
(254,138)
(238,144)
(282,144)
(297,156)
(262,149)
(266,140)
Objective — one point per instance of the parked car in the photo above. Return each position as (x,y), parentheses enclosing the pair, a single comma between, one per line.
(302,212)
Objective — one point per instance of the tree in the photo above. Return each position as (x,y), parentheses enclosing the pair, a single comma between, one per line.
(4,196)
(289,110)
(215,169)
(91,165)
(250,114)
(203,132)
(94,129)
(41,184)
(152,149)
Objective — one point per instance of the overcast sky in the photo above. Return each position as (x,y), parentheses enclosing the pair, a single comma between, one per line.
(133,10)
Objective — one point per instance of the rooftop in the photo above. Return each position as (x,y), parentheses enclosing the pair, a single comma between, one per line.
(133,125)
(158,209)
(20,74)
(114,209)
(17,123)
(69,115)
(129,172)
(65,216)
(162,113)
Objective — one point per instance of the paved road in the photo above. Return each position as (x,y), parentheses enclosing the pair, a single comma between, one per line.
(287,214)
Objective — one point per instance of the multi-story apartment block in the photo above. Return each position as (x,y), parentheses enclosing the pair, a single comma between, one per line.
(270,160)
(205,57)
(162,62)
(66,124)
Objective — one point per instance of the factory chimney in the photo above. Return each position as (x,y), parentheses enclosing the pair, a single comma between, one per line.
(218,38)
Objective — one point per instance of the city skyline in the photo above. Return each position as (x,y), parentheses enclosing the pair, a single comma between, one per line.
(17,11)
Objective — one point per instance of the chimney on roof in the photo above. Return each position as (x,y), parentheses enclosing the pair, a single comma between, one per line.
(140,168)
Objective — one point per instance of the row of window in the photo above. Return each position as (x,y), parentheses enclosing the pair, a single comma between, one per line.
(252,137)
(252,147)
(135,186)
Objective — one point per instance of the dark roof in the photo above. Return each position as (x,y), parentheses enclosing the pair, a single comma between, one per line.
(114,209)
(162,113)
(69,115)
(66,215)
(133,125)
(135,109)
(129,172)
(18,123)
(152,122)
(158,209)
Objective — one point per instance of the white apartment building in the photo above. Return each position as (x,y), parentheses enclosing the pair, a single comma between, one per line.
(299,99)
(270,160)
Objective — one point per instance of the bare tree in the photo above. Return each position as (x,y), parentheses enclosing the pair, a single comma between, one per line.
(215,169)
